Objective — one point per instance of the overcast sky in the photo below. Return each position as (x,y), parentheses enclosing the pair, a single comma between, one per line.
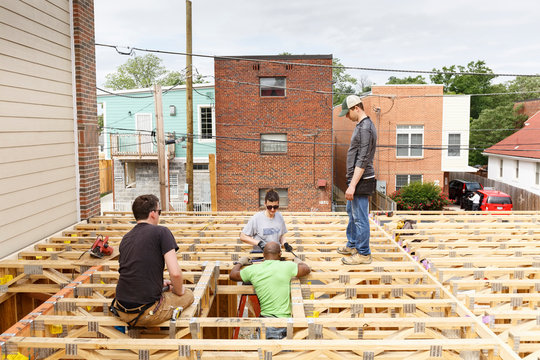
(391,34)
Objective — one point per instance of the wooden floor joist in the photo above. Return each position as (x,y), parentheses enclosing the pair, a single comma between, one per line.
(457,285)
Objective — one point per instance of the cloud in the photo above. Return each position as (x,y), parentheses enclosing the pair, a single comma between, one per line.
(414,34)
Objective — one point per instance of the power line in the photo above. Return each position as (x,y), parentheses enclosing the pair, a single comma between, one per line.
(258,60)
(430,147)
(364,94)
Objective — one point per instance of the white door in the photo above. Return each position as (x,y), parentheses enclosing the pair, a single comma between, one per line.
(143,124)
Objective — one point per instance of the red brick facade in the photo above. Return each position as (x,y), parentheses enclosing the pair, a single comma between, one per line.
(242,115)
(530,107)
(399,105)
(87,125)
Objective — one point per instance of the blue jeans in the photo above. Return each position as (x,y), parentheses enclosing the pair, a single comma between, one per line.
(358,227)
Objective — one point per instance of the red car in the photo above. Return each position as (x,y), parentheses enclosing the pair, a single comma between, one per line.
(493,200)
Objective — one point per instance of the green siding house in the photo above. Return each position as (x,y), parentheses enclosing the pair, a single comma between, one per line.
(129,140)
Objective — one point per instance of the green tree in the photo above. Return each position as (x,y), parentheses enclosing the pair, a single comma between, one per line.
(100,124)
(492,126)
(143,71)
(137,72)
(531,85)
(173,78)
(344,84)
(418,196)
(469,84)
(406,80)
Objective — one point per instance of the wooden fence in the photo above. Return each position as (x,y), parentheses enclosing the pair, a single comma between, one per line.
(521,199)
(105,176)
(381,201)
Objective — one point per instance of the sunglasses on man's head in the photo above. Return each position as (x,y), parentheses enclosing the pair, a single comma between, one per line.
(270,207)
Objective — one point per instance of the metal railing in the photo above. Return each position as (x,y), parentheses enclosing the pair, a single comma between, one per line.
(140,144)
(177,205)
(378,202)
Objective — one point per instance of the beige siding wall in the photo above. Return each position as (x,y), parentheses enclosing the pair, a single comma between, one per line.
(38,182)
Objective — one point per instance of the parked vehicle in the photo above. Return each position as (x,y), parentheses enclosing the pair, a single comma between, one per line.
(459,190)
(493,200)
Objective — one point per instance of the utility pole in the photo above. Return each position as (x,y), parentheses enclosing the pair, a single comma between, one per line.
(162,161)
(213,185)
(377,169)
(189,109)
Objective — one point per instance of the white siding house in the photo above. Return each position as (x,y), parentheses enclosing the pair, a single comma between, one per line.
(39,163)
(455,133)
(516,160)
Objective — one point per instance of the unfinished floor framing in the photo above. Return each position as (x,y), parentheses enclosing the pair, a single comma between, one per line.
(455,286)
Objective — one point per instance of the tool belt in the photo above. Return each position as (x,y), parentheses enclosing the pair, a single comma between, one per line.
(117,306)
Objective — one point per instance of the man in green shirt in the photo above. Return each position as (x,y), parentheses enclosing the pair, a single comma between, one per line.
(272,282)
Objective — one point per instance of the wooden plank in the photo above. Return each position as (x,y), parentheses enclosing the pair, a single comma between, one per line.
(401,304)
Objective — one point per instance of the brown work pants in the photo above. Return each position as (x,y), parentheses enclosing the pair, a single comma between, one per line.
(162,310)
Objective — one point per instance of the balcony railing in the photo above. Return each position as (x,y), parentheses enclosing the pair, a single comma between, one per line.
(137,146)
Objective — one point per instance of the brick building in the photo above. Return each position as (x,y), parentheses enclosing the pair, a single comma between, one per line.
(274,129)
(422,135)
(528,107)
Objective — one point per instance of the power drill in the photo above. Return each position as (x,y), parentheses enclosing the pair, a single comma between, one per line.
(101,247)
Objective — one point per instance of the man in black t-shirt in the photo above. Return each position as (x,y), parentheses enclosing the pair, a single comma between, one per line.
(144,251)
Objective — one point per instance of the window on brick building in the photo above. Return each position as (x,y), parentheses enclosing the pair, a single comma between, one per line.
(272,86)
(454,141)
(273,143)
(409,140)
(206,123)
(283,196)
(404,180)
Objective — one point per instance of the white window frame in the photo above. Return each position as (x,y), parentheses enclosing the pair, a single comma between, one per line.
(283,196)
(409,130)
(201,170)
(455,148)
(408,179)
(199,111)
(274,137)
(173,185)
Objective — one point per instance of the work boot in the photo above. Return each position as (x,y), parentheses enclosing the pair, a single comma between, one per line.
(356,259)
(346,250)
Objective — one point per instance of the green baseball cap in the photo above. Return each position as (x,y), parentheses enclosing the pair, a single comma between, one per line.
(349,102)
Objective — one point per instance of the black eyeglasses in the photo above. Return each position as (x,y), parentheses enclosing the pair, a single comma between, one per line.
(270,207)
(158,211)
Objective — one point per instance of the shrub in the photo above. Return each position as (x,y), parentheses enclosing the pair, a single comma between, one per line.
(418,196)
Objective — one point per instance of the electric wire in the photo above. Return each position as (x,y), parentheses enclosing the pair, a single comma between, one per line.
(260,60)
(431,147)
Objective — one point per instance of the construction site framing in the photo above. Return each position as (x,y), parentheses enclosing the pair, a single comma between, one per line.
(457,285)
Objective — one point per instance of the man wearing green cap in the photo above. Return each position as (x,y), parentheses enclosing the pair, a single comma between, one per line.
(360,171)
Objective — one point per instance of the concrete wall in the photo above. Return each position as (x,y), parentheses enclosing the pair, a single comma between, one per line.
(147,182)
